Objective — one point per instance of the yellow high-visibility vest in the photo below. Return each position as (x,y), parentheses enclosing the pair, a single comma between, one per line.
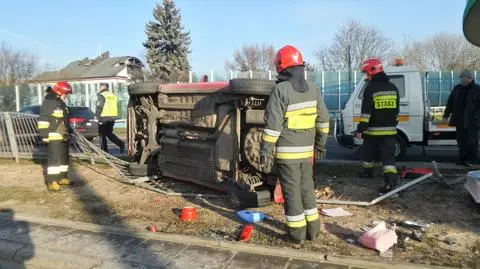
(110,108)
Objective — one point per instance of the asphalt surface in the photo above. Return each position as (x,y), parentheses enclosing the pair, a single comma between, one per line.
(336,152)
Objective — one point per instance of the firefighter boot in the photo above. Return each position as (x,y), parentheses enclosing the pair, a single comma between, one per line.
(53,186)
(390,182)
(65,181)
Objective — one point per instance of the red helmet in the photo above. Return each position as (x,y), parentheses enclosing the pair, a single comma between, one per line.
(288,56)
(62,87)
(372,66)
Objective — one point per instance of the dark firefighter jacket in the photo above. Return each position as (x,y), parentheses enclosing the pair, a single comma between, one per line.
(297,120)
(463,106)
(53,122)
(380,107)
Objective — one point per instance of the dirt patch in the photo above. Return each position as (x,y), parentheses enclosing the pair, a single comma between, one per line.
(452,239)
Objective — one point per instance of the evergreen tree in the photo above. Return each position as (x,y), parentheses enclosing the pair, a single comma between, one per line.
(167,44)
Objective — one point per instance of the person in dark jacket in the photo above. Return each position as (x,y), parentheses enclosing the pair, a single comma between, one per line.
(296,128)
(54,129)
(378,123)
(463,107)
(106,114)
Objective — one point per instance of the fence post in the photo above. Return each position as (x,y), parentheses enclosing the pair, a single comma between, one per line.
(17,97)
(231,74)
(451,79)
(39,94)
(87,95)
(439,88)
(270,74)
(323,82)
(475,75)
(339,90)
(11,136)
(251,73)
(306,76)
(211,76)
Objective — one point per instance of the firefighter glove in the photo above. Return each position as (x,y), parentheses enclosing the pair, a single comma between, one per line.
(320,155)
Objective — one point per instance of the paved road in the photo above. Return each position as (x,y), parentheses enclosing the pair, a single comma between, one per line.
(336,152)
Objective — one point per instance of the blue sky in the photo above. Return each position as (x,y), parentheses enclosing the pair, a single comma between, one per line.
(60,31)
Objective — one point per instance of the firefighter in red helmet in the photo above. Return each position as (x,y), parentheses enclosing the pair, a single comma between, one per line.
(54,129)
(378,123)
(296,131)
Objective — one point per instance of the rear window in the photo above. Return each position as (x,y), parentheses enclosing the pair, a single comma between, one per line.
(81,112)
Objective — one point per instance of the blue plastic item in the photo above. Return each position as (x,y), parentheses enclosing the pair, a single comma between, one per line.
(251,216)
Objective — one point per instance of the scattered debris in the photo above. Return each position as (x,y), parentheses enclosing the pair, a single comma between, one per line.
(418,236)
(351,241)
(379,238)
(451,240)
(414,224)
(189,213)
(246,233)
(336,212)
(251,216)
(325,193)
(152,229)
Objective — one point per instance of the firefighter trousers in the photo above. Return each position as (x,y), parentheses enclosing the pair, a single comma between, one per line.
(300,205)
(379,148)
(58,159)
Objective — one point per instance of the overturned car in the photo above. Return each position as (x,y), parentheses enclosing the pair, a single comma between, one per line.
(205,133)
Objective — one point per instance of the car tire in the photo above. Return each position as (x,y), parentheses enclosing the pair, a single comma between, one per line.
(400,148)
(246,86)
(142,170)
(243,199)
(141,88)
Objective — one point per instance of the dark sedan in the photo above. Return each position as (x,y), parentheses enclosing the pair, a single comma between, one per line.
(81,119)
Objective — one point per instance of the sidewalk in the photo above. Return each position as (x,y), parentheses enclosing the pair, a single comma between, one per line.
(29,242)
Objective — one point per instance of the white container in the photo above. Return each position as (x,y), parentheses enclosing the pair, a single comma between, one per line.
(473,185)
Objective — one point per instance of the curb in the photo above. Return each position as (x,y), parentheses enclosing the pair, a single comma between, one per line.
(234,246)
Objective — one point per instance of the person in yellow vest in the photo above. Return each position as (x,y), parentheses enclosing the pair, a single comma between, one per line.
(106,114)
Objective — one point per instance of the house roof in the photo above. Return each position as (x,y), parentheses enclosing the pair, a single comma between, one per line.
(100,67)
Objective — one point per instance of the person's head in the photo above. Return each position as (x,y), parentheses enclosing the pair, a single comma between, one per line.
(62,89)
(372,67)
(288,56)
(466,77)
(103,86)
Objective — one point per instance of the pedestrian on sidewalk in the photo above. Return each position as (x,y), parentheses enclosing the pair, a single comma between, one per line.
(106,114)
(463,112)
(54,128)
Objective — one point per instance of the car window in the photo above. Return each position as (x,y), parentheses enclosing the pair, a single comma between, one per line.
(81,112)
(397,80)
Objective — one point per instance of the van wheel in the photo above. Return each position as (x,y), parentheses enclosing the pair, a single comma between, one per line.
(400,148)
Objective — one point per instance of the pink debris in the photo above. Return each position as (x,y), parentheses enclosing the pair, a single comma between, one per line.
(379,238)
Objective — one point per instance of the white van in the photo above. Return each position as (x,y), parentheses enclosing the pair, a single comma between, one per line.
(417,124)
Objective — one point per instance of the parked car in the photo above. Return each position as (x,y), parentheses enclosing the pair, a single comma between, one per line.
(81,118)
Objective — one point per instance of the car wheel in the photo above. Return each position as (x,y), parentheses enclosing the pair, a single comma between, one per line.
(246,86)
(400,148)
(243,199)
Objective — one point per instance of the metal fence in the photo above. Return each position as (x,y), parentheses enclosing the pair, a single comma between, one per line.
(336,87)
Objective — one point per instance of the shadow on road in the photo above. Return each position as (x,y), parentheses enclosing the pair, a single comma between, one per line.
(20,230)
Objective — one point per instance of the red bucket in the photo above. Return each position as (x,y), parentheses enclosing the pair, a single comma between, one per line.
(189,213)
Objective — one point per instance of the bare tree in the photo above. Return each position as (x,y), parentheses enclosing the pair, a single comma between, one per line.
(16,66)
(351,45)
(253,57)
(443,52)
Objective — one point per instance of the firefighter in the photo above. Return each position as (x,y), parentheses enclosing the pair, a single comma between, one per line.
(106,114)
(54,129)
(297,124)
(378,123)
